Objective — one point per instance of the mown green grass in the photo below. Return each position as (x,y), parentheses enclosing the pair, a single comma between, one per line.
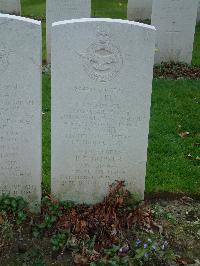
(196,49)
(174,104)
(44,42)
(46,130)
(175,108)
(33,8)
(109,8)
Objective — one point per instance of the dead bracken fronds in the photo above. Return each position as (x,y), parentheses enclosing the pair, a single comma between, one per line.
(108,219)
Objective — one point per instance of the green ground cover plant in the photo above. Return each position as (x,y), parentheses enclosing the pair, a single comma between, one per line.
(118,231)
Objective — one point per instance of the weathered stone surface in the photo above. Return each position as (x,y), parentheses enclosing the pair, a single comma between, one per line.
(198,13)
(10,7)
(101,94)
(20,108)
(139,9)
(175,22)
(58,10)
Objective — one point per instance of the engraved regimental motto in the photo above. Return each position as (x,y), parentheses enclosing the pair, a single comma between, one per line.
(102,60)
(4,54)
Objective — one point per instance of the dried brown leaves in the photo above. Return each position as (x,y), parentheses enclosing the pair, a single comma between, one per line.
(176,71)
(107,219)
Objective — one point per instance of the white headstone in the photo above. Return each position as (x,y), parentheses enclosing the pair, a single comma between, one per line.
(198,13)
(175,22)
(101,94)
(139,9)
(10,7)
(20,108)
(57,10)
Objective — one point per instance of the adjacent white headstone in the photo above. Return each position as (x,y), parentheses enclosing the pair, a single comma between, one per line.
(198,13)
(101,94)
(175,22)
(57,10)
(10,7)
(20,108)
(139,9)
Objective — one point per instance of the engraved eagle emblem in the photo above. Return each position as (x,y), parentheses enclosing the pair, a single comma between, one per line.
(102,60)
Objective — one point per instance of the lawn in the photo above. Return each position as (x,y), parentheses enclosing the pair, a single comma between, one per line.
(33,8)
(196,50)
(175,109)
(173,164)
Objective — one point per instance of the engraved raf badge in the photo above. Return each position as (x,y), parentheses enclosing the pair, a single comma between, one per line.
(102,60)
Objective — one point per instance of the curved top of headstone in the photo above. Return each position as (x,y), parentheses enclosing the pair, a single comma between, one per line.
(18,18)
(108,20)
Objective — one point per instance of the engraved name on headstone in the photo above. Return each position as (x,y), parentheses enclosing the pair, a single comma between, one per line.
(12,7)
(57,10)
(20,108)
(139,9)
(101,93)
(175,22)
